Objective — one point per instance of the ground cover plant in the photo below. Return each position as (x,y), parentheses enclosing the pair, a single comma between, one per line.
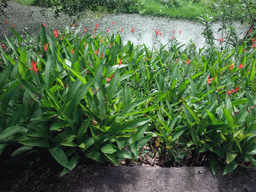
(95,98)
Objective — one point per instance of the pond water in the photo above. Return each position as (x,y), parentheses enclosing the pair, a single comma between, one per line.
(145,26)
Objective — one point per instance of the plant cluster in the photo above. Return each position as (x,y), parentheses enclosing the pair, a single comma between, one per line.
(95,98)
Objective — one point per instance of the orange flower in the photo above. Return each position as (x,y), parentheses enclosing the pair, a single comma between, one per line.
(43,24)
(241,66)
(3,46)
(156,31)
(244,50)
(94,36)
(177,60)
(7,22)
(110,46)
(109,79)
(250,30)
(46,47)
(72,51)
(147,58)
(114,22)
(122,30)
(231,66)
(210,80)
(173,31)
(221,39)
(132,30)
(34,67)
(120,62)
(73,25)
(14,25)
(160,33)
(180,32)
(253,46)
(56,33)
(61,37)
(188,61)
(102,55)
(97,25)
(101,40)
(107,30)
(253,40)
(94,122)
(97,51)
(173,38)
(85,29)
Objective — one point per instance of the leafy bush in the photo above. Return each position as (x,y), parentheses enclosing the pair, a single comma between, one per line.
(93,97)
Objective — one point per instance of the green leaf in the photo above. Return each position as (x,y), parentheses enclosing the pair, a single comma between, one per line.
(124,154)
(21,150)
(22,61)
(135,123)
(212,117)
(57,126)
(164,125)
(230,167)
(230,157)
(35,142)
(108,149)
(83,128)
(95,155)
(143,141)
(11,131)
(139,133)
(253,71)
(213,164)
(176,134)
(229,117)
(112,158)
(59,156)
(13,46)
(87,143)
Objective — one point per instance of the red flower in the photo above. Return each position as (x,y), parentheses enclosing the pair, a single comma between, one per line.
(43,24)
(173,31)
(122,30)
(230,92)
(221,39)
(132,30)
(94,31)
(173,38)
(97,25)
(101,40)
(110,46)
(120,62)
(160,33)
(85,29)
(188,61)
(231,66)
(72,51)
(97,51)
(241,66)
(94,36)
(107,30)
(102,55)
(177,60)
(147,58)
(7,22)
(156,31)
(46,47)
(253,46)
(109,79)
(61,37)
(34,67)
(56,33)
(22,86)
(250,30)
(236,89)
(3,46)
(253,40)
(73,25)
(114,22)
(244,50)
(14,25)
(180,32)
(210,80)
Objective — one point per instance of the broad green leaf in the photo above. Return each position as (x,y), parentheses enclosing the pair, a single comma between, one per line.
(108,149)
(164,125)
(213,164)
(57,126)
(13,46)
(95,155)
(229,117)
(143,141)
(11,131)
(139,133)
(135,123)
(21,150)
(87,143)
(192,113)
(212,117)
(230,157)
(60,156)
(112,158)
(230,167)
(124,154)
(35,142)
(176,134)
